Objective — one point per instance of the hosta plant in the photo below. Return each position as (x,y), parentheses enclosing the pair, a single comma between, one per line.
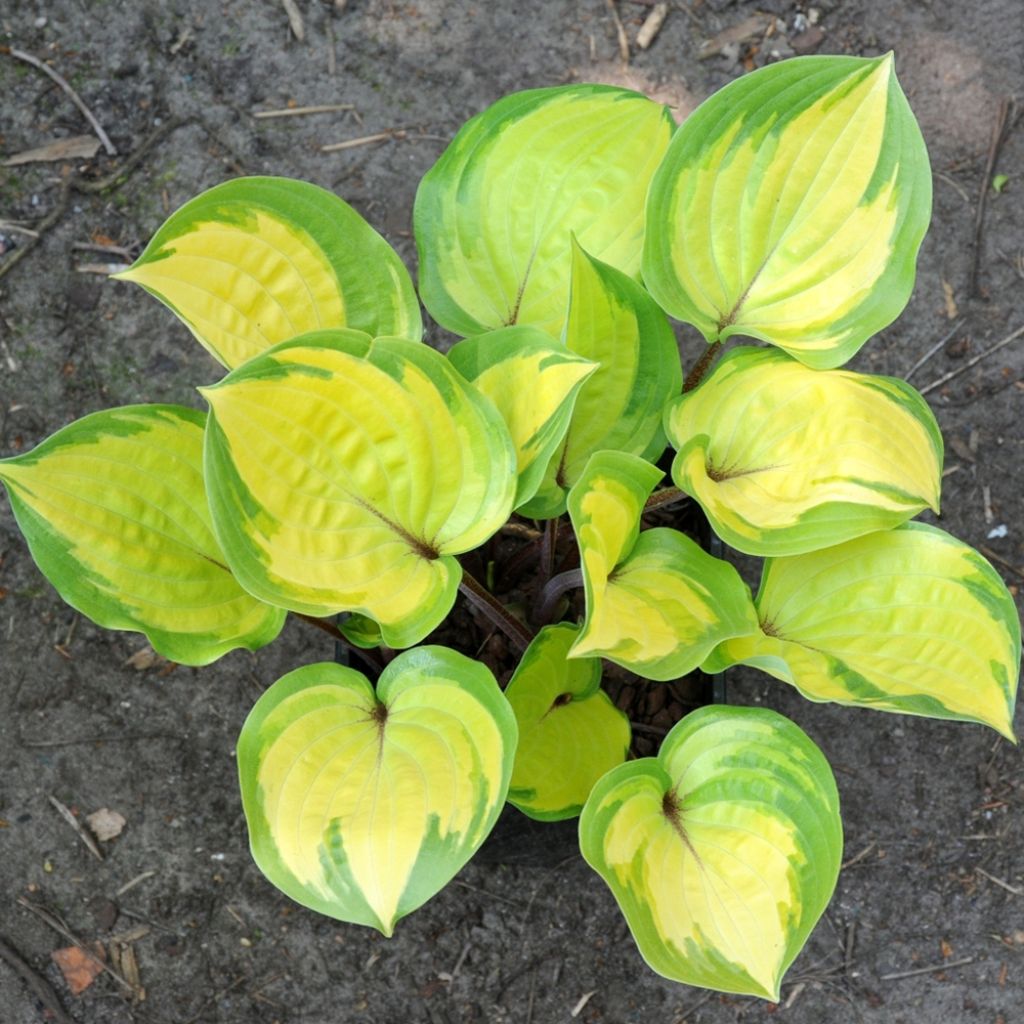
(345,471)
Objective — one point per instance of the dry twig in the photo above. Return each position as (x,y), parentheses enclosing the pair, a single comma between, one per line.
(926,970)
(620,32)
(995,144)
(1013,336)
(651,26)
(295,20)
(994,556)
(40,987)
(323,108)
(88,188)
(134,882)
(58,926)
(40,230)
(947,337)
(80,830)
(75,98)
(1013,889)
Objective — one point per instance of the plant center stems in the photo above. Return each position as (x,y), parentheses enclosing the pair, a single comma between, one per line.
(552,593)
(485,602)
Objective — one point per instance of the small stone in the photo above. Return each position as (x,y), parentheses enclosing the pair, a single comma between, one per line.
(808,41)
(105,913)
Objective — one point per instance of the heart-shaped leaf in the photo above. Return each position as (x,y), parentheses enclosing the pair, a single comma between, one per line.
(723,851)
(114,511)
(363,805)
(785,459)
(534,382)
(345,474)
(790,207)
(910,620)
(256,261)
(570,733)
(494,216)
(614,322)
(656,602)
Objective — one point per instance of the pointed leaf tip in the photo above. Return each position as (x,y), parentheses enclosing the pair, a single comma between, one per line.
(114,510)
(910,620)
(255,261)
(790,207)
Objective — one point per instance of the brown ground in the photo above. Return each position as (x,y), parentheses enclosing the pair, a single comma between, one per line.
(933,812)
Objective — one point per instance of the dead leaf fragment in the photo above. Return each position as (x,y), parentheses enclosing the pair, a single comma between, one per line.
(744,32)
(80,969)
(295,19)
(947,291)
(77,147)
(651,26)
(142,659)
(122,956)
(106,824)
(946,948)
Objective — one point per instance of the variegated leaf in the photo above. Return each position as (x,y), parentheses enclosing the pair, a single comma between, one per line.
(785,459)
(534,382)
(256,261)
(657,603)
(361,630)
(790,208)
(723,851)
(345,474)
(614,322)
(494,216)
(114,511)
(570,733)
(911,620)
(363,805)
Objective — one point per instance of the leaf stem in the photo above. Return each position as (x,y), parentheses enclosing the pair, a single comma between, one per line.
(548,547)
(701,367)
(553,591)
(368,657)
(486,603)
(666,496)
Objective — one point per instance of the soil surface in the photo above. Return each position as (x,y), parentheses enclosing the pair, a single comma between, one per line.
(927,923)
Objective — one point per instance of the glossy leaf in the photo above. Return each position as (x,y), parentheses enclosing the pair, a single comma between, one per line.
(494,216)
(614,322)
(910,620)
(657,604)
(114,511)
(723,851)
(570,733)
(790,208)
(534,382)
(256,261)
(785,459)
(345,474)
(361,805)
